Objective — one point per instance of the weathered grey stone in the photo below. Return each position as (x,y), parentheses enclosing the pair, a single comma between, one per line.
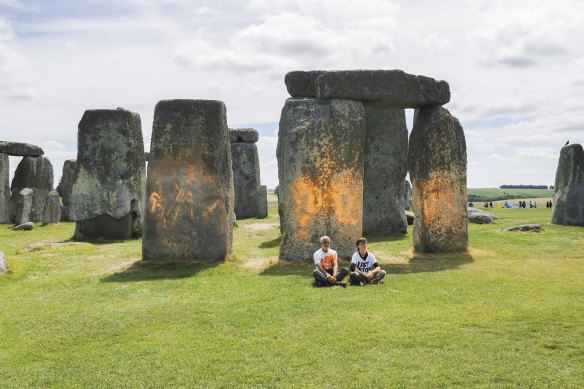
(383,88)
(262,202)
(320,170)
(109,175)
(478,216)
(243,135)
(4,189)
(385,168)
(67,178)
(35,173)
(20,149)
(568,199)
(437,166)
(52,213)
(407,195)
(302,83)
(189,212)
(22,205)
(246,178)
(410,217)
(523,227)
(28,226)
(3,264)
(146,156)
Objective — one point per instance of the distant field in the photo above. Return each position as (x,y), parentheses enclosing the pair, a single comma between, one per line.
(494,194)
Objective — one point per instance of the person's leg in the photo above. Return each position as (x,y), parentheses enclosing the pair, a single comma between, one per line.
(356,279)
(342,274)
(320,277)
(378,277)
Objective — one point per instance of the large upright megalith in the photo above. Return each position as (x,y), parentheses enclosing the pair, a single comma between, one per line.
(385,168)
(437,167)
(4,189)
(568,200)
(262,202)
(246,171)
(189,193)
(107,197)
(22,205)
(67,179)
(52,211)
(320,170)
(35,173)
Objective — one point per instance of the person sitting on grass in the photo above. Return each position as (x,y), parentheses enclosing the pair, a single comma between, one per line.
(327,268)
(364,266)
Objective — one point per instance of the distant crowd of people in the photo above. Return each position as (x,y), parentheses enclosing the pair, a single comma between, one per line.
(523,204)
(549,204)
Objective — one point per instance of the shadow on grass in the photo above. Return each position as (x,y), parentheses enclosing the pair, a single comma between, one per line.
(387,238)
(159,270)
(271,243)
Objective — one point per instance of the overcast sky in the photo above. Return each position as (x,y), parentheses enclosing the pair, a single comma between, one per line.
(515,68)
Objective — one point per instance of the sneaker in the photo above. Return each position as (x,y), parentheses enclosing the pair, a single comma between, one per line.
(342,284)
(378,278)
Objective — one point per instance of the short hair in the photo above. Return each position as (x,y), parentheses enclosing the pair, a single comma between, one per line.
(360,240)
(323,237)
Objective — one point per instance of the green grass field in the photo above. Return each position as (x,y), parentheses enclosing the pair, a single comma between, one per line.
(495,194)
(507,314)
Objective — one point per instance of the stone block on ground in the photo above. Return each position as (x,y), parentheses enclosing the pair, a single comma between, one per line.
(302,83)
(262,202)
(20,149)
(22,205)
(320,170)
(568,200)
(4,189)
(383,88)
(52,213)
(437,167)
(385,168)
(35,173)
(28,226)
(523,228)
(189,210)
(478,216)
(109,177)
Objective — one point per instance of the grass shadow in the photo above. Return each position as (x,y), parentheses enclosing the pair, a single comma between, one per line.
(159,270)
(421,263)
(387,238)
(270,244)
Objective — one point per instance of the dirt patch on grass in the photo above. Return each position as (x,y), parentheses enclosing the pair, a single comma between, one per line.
(259,263)
(260,226)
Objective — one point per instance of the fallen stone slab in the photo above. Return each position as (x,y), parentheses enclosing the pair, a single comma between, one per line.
(382,88)
(523,227)
(250,135)
(17,149)
(302,83)
(42,245)
(28,226)
(478,216)
(3,264)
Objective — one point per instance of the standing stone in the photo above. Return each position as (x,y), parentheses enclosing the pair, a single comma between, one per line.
(107,196)
(262,202)
(35,173)
(4,189)
(3,264)
(246,171)
(320,171)
(407,195)
(385,168)
(67,179)
(437,166)
(189,210)
(22,205)
(568,200)
(52,212)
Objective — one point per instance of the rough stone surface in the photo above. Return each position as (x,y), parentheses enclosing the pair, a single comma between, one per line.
(243,135)
(383,88)
(35,173)
(320,170)
(262,202)
(52,212)
(22,204)
(410,217)
(437,166)
(28,226)
(302,83)
(407,195)
(523,227)
(3,264)
(67,178)
(385,168)
(478,216)
(4,189)
(189,210)
(246,178)
(147,156)
(109,174)
(20,149)
(568,198)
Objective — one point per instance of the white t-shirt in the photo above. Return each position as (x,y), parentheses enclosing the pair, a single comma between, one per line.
(363,264)
(326,259)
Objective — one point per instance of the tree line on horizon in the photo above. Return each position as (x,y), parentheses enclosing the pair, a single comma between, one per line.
(526,187)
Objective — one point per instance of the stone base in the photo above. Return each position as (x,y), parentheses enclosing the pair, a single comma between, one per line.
(107,227)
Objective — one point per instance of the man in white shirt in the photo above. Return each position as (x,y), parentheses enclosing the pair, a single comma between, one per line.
(364,266)
(327,268)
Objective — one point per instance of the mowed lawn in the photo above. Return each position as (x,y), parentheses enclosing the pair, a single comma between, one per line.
(509,313)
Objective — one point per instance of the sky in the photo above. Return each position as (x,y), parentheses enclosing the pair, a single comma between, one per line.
(515,69)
